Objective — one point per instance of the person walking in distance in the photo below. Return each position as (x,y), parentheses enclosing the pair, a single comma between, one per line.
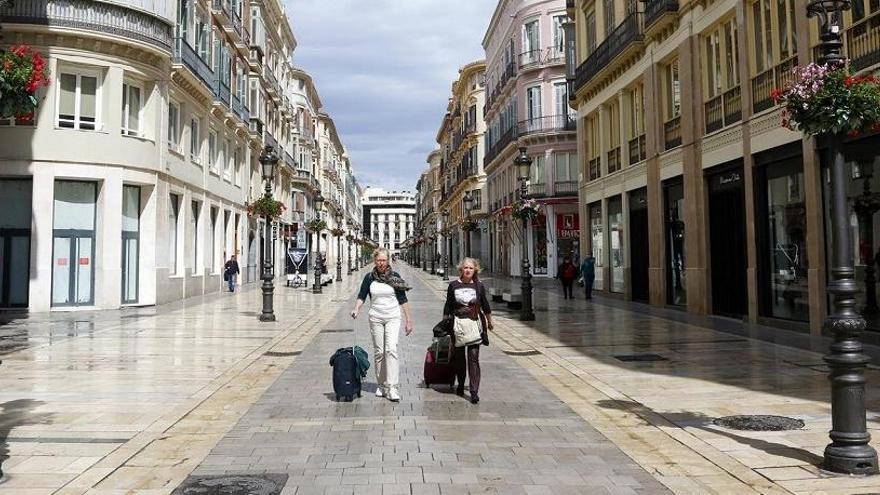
(230,272)
(588,271)
(466,302)
(567,273)
(387,293)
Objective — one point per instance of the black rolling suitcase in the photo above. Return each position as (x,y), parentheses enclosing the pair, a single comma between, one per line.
(346,374)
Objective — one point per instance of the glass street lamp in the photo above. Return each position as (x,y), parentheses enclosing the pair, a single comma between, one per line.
(268,164)
(319,203)
(523,162)
(339,248)
(849,451)
(468,207)
(445,253)
(348,238)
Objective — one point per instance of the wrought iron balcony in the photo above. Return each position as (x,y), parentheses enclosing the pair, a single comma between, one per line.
(629,33)
(637,150)
(508,137)
(270,139)
(550,123)
(235,106)
(614,164)
(186,55)
(566,187)
(272,82)
(534,59)
(301,175)
(672,133)
(655,10)
(765,82)
(222,93)
(863,42)
(723,110)
(537,190)
(92,16)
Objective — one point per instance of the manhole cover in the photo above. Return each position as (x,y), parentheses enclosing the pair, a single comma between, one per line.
(264,484)
(337,330)
(627,358)
(759,422)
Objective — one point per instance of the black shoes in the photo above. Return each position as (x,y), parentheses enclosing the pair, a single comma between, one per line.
(460,390)
(475,398)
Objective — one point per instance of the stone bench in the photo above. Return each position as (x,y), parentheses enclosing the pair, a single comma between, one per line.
(513,299)
(495,293)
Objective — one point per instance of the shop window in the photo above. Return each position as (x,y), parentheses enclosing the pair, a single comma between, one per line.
(616,243)
(676,276)
(597,242)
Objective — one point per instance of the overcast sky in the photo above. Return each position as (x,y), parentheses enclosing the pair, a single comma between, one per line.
(384,70)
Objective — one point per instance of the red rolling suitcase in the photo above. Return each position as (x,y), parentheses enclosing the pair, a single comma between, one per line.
(438,363)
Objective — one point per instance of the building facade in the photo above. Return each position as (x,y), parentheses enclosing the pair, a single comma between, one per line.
(388,217)
(461,141)
(692,193)
(133,178)
(527,105)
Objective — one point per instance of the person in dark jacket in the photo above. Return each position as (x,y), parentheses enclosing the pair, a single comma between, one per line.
(567,273)
(466,301)
(387,294)
(588,271)
(230,272)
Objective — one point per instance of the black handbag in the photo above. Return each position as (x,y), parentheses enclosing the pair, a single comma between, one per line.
(484,333)
(444,328)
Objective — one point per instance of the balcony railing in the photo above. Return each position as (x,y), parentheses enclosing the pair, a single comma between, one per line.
(186,55)
(594,168)
(89,15)
(508,137)
(628,32)
(614,160)
(289,161)
(723,110)
(765,82)
(302,175)
(637,151)
(221,92)
(566,187)
(672,133)
(656,9)
(541,58)
(235,106)
(273,82)
(537,190)
(549,123)
(270,140)
(491,97)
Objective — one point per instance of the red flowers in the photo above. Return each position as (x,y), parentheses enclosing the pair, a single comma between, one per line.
(23,73)
(776,94)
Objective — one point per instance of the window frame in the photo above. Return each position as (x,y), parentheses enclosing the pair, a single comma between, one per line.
(127,86)
(195,140)
(79,73)
(173,131)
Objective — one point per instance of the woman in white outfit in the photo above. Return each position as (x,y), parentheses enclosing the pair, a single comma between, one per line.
(387,293)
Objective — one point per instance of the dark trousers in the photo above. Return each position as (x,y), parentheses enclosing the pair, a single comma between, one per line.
(471,368)
(588,287)
(567,288)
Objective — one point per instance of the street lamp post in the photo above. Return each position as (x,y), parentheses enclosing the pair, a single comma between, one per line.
(348,239)
(433,239)
(468,206)
(445,253)
(268,163)
(849,451)
(523,162)
(319,203)
(339,248)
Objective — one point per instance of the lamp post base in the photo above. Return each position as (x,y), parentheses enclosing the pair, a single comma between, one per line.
(858,460)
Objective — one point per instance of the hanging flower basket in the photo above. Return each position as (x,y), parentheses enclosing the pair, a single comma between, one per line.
(349,238)
(827,99)
(266,207)
(525,208)
(469,226)
(316,225)
(22,73)
(337,232)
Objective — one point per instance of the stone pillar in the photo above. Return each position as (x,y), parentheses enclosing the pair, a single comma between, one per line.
(656,209)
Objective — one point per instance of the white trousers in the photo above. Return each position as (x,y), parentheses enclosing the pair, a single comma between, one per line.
(386,333)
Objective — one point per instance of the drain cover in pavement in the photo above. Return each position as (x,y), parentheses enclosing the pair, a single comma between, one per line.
(337,330)
(640,358)
(244,484)
(759,422)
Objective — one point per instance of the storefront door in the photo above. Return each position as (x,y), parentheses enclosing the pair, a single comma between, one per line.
(727,234)
(676,277)
(15,242)
(73,249)
(638,244)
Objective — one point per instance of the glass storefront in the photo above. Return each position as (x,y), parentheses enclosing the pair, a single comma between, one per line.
(616,243)
(597,243)
(539,245)
(783,240)
(15,242)
(131,210)
(676,282)
(73,267)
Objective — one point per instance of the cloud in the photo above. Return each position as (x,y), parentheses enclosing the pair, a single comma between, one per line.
(384,70)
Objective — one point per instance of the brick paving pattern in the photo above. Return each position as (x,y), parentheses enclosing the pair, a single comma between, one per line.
(520,438)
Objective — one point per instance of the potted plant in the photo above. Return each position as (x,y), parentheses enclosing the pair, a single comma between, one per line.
(22,73)
(266,207)
(337,232)
(469,226)
(826,98)
(525,208)
(316,225)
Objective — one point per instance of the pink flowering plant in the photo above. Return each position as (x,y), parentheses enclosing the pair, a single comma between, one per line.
(525,208)
(824,98)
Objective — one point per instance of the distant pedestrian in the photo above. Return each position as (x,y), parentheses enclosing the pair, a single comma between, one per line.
(567,273)
(230,272)
(387,293)
(588,272)
(466,302)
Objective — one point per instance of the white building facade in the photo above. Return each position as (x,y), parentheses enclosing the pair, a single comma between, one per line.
(389,217)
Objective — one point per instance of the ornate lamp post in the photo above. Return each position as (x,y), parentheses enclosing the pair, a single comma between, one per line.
(268,163)
(348,239)
(319,203)
(523,162)
(433,239)
(848,451)
(444,255)
(339,247)
(468,207)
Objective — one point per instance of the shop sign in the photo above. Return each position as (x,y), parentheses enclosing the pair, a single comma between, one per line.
(568,226)
(84,261)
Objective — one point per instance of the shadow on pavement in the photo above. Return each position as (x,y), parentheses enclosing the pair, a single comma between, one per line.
(17,413)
